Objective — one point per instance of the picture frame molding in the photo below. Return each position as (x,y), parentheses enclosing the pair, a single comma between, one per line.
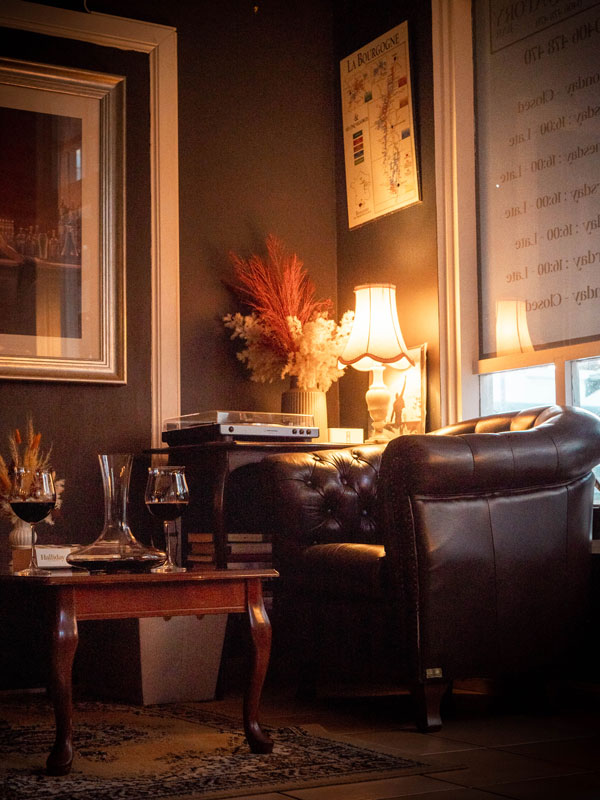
(109,91)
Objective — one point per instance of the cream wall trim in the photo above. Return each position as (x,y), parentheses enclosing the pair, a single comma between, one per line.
(455,197)
(160,43)
(166,394)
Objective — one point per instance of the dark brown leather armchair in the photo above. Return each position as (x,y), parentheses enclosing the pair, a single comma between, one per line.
(458,554)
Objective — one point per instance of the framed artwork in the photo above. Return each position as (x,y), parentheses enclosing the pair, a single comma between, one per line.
(408,404)
(62,311)
(378,128)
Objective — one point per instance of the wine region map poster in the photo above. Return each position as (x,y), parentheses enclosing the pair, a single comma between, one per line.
(378,128)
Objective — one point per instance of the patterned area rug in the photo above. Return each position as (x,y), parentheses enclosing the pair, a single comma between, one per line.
(177,751)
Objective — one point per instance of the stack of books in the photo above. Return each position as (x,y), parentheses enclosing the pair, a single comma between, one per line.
(249,551)
(244,551)
(201,550)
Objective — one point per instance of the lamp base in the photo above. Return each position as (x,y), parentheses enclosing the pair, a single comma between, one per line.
(378,398)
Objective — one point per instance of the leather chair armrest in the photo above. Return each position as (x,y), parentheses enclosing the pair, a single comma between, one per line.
(345,569)
(547,454)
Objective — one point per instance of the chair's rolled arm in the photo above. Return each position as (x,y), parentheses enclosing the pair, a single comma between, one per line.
(562,444)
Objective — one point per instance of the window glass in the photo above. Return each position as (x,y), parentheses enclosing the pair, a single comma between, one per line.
(516,389)
(536,79)
(586,384)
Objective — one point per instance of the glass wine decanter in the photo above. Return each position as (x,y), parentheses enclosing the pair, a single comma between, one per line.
(116,549)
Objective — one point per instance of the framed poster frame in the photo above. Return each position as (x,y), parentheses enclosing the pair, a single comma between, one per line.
(89,226)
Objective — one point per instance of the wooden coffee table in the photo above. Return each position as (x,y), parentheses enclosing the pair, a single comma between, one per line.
(72,597)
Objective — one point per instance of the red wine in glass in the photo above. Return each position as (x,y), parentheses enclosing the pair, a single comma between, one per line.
(167,511)
(166,497)
(32,497)
(31,511)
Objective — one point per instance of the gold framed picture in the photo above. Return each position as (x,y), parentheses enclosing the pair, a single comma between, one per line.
(62,309)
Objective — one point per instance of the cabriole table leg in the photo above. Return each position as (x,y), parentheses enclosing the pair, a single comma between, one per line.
(64,645)
(260,628)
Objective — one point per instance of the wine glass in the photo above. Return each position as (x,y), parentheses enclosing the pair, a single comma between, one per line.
(32,497)
(166,497)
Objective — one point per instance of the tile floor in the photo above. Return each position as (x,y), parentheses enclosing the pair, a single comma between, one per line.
(508,747)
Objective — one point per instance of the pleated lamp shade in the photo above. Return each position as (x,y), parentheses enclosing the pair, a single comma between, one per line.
(376,338)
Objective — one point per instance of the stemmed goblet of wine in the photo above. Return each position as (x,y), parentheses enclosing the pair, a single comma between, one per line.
(32,497)
(166,497)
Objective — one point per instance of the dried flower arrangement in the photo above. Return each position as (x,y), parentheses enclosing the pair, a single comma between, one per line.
(25,452)
(288,331)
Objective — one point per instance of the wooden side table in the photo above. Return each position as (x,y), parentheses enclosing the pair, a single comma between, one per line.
(224,486)
(68,598)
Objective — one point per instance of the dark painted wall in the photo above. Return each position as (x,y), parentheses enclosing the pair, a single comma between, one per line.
(399,248)
(256,145)
(256,150)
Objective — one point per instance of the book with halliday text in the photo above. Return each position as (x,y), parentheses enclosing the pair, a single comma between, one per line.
(49,556)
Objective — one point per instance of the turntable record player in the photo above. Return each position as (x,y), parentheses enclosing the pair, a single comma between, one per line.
(212,426)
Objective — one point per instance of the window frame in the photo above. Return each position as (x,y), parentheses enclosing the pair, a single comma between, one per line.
(456,196)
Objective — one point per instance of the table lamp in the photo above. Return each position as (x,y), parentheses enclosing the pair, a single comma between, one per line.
(376,342)
(512,331)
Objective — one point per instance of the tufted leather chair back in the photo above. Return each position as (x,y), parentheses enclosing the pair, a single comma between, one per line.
(323,497)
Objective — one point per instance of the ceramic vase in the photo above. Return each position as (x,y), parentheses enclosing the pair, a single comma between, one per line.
(307,401)
(20,535)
